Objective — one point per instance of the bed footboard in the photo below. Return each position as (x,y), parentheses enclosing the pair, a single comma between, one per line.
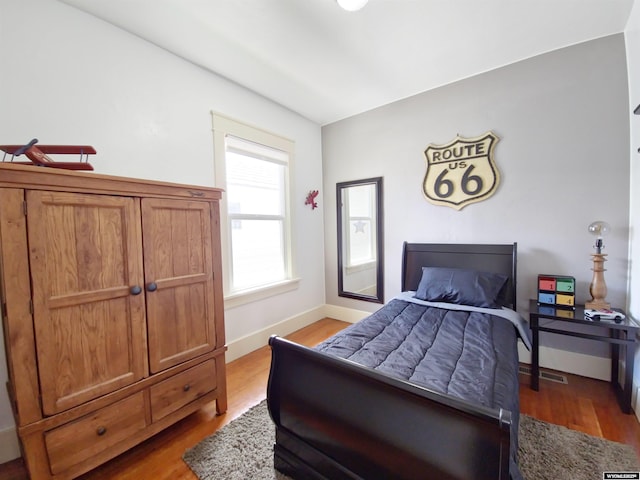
(339,420)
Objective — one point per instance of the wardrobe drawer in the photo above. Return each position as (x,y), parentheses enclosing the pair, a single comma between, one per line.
(81,439)
(172,394)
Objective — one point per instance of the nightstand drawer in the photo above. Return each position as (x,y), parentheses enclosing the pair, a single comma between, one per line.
(546,298)
(81,439)
(565,285)
(176,392)
(568,300)
(546,284)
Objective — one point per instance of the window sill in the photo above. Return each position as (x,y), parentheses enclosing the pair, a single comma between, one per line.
(253,295)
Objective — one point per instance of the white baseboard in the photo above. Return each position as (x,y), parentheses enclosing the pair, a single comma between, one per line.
(345,314)
(569,362)
(247,344)
(259,339)
(9,446)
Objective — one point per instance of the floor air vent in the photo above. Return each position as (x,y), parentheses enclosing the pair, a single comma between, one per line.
(554,377)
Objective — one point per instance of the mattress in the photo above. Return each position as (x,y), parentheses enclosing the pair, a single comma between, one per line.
(466,354)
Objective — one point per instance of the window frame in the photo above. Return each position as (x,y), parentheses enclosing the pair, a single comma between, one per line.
(224,127)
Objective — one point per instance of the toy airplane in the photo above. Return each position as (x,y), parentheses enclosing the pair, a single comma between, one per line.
(38,155)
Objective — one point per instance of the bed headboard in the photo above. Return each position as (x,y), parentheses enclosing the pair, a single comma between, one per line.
(487,258)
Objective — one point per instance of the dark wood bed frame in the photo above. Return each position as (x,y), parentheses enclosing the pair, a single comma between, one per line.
(336,419)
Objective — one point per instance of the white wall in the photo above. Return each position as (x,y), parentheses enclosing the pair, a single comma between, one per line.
(69,78)
(632,38)
(562,120)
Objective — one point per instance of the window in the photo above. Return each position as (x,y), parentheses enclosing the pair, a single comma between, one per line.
(253,167)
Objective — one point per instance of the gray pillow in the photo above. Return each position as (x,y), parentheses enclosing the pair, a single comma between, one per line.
(461,286)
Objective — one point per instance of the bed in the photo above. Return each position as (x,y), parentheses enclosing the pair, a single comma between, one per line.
(423,388)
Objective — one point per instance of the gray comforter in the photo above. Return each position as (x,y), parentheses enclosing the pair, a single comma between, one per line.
(466,354)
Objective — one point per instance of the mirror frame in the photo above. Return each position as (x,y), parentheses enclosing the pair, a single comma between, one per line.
(379,296)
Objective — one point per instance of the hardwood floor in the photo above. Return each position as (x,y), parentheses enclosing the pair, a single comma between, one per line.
(583,404)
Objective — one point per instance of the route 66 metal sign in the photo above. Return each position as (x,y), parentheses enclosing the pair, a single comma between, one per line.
(462,171)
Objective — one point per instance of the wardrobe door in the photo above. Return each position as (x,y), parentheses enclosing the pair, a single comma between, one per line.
(178,280)
(89,316)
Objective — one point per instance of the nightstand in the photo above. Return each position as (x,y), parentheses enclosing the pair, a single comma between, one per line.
(616,334)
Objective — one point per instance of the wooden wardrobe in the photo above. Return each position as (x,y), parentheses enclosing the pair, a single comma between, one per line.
(112,311)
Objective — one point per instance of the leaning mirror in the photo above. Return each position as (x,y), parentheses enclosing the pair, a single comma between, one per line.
(360,237)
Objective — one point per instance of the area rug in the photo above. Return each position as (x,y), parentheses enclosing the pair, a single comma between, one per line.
(243,450)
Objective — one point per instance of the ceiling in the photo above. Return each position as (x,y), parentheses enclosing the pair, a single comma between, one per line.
(328,64)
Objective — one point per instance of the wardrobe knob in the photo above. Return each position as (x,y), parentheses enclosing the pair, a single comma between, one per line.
(152,287)
(136,290)
(101,431)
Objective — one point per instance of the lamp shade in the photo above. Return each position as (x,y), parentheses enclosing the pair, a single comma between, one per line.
(352,5)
